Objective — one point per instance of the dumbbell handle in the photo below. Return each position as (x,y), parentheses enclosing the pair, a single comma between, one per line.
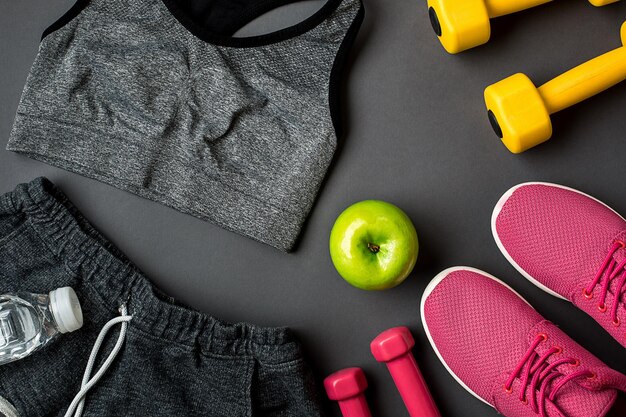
(585,81)
(347,387)
(412,387)
(394,348)
(355,407)
(497,8)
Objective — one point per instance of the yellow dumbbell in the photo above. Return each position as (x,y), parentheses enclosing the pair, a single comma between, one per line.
(520,112)
(464,24)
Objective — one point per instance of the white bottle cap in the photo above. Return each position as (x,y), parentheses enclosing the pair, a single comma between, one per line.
(66,309)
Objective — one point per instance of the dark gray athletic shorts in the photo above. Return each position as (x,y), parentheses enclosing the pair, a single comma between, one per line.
(174,361)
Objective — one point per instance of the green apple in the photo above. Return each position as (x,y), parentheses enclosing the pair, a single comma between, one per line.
(373,245)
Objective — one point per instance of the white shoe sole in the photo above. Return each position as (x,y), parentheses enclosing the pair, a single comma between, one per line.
(429,289)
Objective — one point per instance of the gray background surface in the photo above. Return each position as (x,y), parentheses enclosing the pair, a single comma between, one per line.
(418,137)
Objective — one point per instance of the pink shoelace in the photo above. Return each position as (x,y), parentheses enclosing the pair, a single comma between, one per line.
(541,380)
(610,269)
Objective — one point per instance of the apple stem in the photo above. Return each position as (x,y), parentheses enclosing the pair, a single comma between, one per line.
(373,248)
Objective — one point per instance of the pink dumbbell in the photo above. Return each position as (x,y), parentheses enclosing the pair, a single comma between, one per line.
(394,348)
(348,387)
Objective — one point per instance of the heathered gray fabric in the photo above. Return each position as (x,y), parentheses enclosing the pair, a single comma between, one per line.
(174,361)
(239,136)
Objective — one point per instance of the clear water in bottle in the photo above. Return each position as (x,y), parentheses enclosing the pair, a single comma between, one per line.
(29,321)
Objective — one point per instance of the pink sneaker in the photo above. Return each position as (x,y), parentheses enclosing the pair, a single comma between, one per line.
(504,353)
(568,244)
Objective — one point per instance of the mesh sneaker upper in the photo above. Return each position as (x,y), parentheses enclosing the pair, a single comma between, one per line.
(469,318)
(481,329)
(559,238)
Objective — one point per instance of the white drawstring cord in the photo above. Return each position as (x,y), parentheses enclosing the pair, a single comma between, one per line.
(88,382)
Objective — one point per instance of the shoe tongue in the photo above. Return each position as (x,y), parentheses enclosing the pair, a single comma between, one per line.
(574,400)
(619,257)
(614,290)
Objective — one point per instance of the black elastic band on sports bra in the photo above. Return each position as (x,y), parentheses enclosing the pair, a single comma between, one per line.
(337,72)
(66,18)
(252,41)
(259,8)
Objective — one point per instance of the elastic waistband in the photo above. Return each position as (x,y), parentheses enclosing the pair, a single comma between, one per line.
(98,263)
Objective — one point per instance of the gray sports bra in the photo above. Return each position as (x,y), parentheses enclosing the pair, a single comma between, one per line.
(158,98)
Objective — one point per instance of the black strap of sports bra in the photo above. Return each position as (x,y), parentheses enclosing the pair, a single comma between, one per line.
(226,17)
(256,9)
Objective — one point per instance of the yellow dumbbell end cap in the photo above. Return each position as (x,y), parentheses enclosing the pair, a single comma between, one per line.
(460,24)
(624,34)
(517,113)
(599,3)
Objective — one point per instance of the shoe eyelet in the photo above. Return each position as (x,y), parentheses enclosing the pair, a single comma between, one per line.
(588,295)
(602,308)
(559,350)
(508,390)
(592,376)
(576,363)
(525,401)
(621,243)
(543,336)
(616,322)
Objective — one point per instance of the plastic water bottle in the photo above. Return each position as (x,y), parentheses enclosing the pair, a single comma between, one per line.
(29,321)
